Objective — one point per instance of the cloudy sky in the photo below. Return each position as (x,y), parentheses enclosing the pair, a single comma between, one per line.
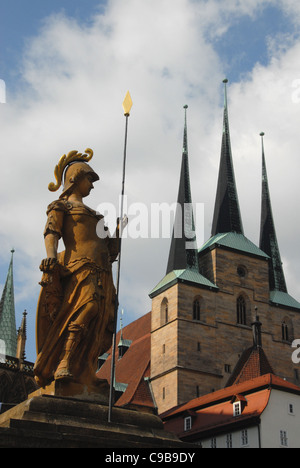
(67,65)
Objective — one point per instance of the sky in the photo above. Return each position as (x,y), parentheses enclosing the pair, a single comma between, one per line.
(67,66)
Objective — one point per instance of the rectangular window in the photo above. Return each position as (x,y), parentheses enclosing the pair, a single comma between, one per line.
(283,439)
(213,443)
(188,423)
(244,437)
(291,408)
(228,440)
(237,408)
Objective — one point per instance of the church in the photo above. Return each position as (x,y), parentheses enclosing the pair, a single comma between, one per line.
(204,309)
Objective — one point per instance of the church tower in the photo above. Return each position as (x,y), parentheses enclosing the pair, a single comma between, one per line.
(176,304)
(8,332)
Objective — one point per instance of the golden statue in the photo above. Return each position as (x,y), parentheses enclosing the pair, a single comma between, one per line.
(75,315)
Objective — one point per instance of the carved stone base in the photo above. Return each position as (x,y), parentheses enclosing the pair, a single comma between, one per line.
(98,393)
(47,421)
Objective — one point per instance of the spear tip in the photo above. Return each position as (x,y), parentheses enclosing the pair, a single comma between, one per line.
(127,104)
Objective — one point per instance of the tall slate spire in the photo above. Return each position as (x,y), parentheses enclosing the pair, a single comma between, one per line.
(8,332)
(268,239)
(183,251)
(227,217)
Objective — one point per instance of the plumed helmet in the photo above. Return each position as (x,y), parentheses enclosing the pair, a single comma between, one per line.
(73,167)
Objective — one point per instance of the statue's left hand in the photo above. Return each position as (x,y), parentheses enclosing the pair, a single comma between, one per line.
(48,264)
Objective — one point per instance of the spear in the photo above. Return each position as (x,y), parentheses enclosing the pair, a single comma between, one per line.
(127,104)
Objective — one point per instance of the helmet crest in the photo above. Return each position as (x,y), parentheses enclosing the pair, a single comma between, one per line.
(72,156)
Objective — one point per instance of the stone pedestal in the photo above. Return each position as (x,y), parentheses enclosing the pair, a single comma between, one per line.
(48,421)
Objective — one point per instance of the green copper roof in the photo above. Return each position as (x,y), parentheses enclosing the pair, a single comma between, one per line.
(8,332)
(234,241)
(284,299)
(189,275)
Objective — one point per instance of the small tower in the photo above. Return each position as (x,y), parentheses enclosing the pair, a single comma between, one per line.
(21,341)
(8,333)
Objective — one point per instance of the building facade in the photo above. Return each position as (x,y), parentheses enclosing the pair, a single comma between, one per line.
(259,413)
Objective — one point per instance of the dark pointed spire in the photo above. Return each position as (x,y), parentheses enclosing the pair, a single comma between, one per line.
(183,251)
(268,239)
(21,340)
(227,217)
(8,332)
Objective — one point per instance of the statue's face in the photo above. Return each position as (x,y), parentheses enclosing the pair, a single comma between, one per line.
(85,184)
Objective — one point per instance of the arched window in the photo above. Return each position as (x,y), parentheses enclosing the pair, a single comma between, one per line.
(287,330)
(164,311)
(196,309)
(284,332)
(241,316)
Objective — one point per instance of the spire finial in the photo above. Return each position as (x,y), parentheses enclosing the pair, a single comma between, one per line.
(185,145)
(262,142)
(225,81)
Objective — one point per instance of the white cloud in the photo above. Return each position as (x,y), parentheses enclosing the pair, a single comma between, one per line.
(75,79)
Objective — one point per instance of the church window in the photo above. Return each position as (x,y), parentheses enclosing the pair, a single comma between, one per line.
(287,330)
(241,271)
(241,311)
(196,309)
(164,311)
(284,332)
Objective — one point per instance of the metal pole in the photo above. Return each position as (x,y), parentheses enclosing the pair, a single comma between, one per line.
(127,108)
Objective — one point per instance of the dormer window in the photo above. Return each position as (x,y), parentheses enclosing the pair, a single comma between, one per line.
(187,423)
(237,409)
(189,416)
(238,404)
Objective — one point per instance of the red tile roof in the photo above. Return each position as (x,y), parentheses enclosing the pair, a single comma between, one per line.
(252,363)
(134,366)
